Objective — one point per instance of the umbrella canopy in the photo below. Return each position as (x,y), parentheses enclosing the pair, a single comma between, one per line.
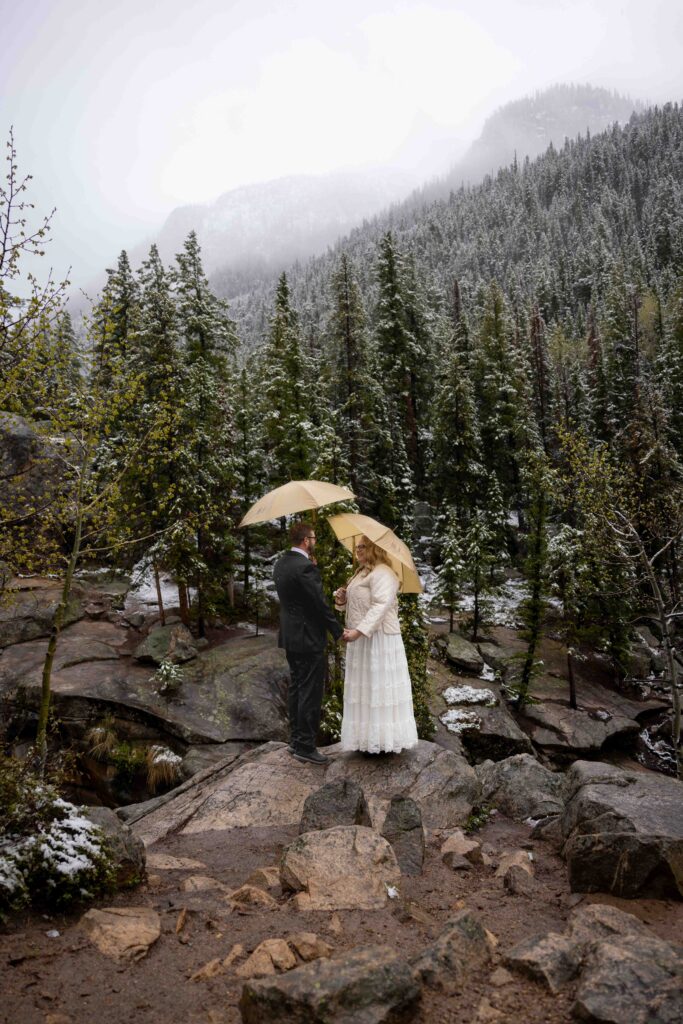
(349,527)
(296,496)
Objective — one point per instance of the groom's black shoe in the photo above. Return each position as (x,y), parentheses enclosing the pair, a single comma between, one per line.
(311,757)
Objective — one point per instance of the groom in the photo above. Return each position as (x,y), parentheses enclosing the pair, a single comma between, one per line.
(305,620)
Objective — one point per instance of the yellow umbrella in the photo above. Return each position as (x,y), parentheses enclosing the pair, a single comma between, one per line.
(349,527)
(296,496)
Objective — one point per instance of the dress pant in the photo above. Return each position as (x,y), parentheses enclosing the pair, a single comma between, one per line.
(305,698)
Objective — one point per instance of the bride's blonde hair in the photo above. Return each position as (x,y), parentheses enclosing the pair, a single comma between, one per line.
(374,555)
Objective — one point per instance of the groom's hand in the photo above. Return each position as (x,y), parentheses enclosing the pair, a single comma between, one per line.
(349,635)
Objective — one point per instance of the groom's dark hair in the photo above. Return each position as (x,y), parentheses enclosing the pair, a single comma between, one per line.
(299,532)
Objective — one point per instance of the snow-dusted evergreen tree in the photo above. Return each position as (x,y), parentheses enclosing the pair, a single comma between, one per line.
(286,394)
(250,457)
(451,573)
(350,368)
(456,469)
(481,554)
(116,318)
(400,348)
(204,505)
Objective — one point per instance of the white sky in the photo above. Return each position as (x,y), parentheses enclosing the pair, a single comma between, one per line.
(123,109)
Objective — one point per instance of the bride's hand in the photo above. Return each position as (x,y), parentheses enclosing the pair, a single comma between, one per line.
(350,635)
(340,596)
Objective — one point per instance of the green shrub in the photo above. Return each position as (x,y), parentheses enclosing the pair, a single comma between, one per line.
(49,854)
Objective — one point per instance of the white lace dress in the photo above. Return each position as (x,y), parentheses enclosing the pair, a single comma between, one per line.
(378,701)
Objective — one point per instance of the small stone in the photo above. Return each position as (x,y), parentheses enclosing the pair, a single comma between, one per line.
(492,940)
(488,1013)
(235,953)
(279,952)
(251,897)
(302,902)
(124,933)
(258,965)
(309,946)
(202,883)
(459,844)
(501,977)
(265,878)
(456,862)
(403,830)
(209,970)
(509,857)
(519,882)
(335,925)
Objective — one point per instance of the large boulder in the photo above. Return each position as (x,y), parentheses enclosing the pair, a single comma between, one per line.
(268,787)
(463,654)
(521,788)
(440,781)
(624,971)
(127,850)
(368,986)
(340,802)
(348,867)
(167,643)
(479,716)
(623,831)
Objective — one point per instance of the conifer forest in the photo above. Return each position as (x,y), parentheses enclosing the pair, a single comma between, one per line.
(507,360)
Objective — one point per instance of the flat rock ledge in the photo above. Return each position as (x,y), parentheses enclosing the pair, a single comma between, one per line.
(267,787)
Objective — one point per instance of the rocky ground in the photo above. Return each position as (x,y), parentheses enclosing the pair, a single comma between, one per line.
(520,868)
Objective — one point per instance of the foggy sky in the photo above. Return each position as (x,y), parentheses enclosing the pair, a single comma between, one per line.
(124,109)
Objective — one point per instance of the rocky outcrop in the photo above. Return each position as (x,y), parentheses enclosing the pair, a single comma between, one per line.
(30,611)
(623,832)
(602,718)
(341,868)
(232,693)
(267,785)
(624,971)
(521,788)
(340,802)
(368,986)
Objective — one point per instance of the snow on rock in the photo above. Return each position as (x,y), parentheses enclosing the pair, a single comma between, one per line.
(458,721)
(469,695)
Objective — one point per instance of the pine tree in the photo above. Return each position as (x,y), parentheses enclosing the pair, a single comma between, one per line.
(451,573)
(286,398)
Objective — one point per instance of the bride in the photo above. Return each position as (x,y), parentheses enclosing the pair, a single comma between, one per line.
(378,702)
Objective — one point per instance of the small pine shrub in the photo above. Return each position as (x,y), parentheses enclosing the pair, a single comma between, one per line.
(49,854)
(167,678)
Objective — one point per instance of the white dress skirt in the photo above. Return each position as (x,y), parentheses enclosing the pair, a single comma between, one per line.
(378,700)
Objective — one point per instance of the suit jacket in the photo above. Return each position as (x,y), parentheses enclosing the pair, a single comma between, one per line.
(305,616)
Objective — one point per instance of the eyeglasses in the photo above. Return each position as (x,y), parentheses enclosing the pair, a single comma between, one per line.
(361,547)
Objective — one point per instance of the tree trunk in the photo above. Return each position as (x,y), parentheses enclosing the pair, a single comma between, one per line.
(572,680)
(183,603)
(160,600)
(41,734)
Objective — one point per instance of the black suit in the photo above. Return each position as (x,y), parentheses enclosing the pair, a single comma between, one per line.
(305,620)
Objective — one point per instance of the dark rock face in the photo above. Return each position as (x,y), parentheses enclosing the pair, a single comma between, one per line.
(461,948)
(521,788)
(625,972)
(463,654)
(623,832)
(128,851)
(369,986)
(341,802)
(30,612)
(403,830)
